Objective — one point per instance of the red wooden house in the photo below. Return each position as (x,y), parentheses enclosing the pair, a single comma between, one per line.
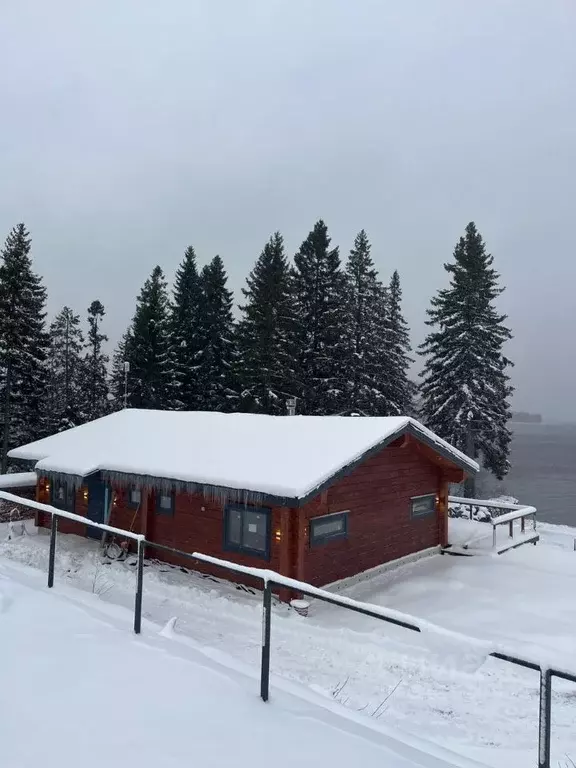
(315,498)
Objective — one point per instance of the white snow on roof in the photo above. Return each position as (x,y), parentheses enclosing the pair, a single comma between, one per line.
(18,480)
(286,456)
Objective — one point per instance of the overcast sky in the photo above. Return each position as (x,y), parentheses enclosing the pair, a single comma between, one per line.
(132,128)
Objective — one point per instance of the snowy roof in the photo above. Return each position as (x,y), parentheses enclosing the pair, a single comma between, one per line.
(285,457)
(18,480)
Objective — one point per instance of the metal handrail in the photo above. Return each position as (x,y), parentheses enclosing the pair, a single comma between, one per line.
(513,512)
(271,579)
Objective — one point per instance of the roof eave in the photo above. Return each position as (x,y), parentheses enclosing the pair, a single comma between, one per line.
(247,496)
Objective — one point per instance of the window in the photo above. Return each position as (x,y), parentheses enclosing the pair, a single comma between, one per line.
(423,506)
(134,497)
(247,529)
(328,527)
(164,503)
(62,495)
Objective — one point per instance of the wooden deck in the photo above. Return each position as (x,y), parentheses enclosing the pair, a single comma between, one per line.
(470,538)
(485,546)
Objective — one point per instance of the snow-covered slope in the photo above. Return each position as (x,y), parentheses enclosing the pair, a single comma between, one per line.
(79,689)
(385,675)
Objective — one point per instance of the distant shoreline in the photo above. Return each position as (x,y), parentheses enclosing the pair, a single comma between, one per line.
(523,417)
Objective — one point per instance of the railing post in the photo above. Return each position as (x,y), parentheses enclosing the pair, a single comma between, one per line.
(511,529)
(139,588)
(266,631)
(493,536)
(52,555)
(545,718)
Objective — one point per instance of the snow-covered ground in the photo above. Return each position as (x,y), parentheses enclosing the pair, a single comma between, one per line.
(79,689)
(415,684)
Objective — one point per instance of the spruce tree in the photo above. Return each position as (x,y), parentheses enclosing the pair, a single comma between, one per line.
(149,353)
(186,333)
(400,390)
(66,373)
(119,377)
(466,387)
(319,301)
(96,366)
(216,339)
(365,331)
(264,333)
(23,344)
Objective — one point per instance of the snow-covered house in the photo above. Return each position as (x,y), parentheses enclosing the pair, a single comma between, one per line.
(315,498)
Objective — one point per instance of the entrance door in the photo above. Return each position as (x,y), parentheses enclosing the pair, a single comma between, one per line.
(96,502)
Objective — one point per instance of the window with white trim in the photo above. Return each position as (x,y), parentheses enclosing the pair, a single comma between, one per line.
(328,528)
(422,506)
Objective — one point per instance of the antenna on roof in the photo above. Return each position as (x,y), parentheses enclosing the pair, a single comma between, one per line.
(291,406)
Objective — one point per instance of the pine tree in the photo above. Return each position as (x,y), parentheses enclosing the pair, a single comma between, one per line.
(96,366)
(365,329)
(319,290)
(119,377)
(185,332)
(400,390)
(151,375)
(23,344)
(216,335)
(264,333)
(66,373)
(466,388)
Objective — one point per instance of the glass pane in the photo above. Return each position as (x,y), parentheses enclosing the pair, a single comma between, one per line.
(328,527)
(234,526)
(135,496)
(254,530)
(166,502)
(423,505)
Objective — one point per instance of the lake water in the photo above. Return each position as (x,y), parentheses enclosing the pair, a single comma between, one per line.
(543,471)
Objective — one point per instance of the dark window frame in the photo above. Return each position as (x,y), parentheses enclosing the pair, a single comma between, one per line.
(229,546)
(428,512)
(159,510)
(318,540)
(129,502)
(69,495)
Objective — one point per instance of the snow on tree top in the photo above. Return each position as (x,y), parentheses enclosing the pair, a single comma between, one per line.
(281,456)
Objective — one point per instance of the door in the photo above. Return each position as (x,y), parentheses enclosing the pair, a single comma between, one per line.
(96,503)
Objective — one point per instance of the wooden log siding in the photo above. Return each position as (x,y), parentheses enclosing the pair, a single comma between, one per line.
(377,497)
(375,494)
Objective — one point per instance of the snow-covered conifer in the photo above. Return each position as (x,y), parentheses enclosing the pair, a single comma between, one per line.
(265,364)
(23,344)
(466,387)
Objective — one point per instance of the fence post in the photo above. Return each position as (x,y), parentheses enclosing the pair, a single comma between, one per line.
(266,628)
(52,555)
(139,588)
(545,718)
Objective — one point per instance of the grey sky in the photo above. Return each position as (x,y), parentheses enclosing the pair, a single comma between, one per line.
(132,128)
